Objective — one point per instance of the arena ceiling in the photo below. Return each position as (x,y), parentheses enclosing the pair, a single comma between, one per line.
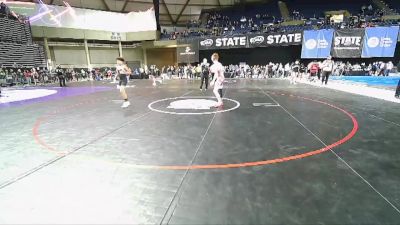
(171,11)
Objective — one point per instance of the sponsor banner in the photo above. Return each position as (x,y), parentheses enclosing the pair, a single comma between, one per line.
(380,41)
(265,40)
(398,38)
(251,41)
(187,51)
(347,43)
(223,42)
(317,44)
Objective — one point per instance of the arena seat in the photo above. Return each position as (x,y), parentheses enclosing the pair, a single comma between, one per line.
(16,45)
(14,31)
(316,8)
(270,10)
(393,4)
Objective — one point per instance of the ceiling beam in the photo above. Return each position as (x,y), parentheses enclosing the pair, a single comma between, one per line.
(105,4)
(168,13)
(183,9)
(175,3)
(124,6)
(174,14)
(219,3)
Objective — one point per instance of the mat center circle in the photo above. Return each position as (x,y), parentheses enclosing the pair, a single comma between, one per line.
(192,105)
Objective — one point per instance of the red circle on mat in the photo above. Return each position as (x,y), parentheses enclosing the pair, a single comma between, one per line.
(350,135)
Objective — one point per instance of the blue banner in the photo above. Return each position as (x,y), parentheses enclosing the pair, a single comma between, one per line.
(317,44)
(380,41)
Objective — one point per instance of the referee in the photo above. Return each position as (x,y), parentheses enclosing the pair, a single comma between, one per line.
(205,72)
(61,77)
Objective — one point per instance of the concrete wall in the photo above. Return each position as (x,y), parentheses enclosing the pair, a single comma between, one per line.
(68,56)
(103,57)
(135,54)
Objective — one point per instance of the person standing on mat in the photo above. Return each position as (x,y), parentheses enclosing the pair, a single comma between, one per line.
(327,68)
(123,71)
(397,95)
(295,72)
(205,72)
(61,77)
(218,80)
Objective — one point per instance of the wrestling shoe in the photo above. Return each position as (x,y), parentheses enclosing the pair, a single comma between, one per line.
(126,104)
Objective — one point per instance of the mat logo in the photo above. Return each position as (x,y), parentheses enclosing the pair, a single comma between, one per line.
(207,43)
(194,104)
(257,40)
(384,42)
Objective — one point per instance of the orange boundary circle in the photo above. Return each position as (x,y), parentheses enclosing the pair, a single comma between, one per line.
(350,135)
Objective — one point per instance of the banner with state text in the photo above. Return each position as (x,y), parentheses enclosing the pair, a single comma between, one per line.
(347,43)
(239,41)
(251,41)
(275,39)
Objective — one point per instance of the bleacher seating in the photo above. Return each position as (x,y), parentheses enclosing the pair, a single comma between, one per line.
(308,8)
(307,14)
(17,47)
(259,14)
(20,54)
(393,4)
(39,53)
(14,31)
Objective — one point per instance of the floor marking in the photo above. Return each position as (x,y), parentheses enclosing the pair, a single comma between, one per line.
(363,111)
(388,121)
(62,155)
(51,161)
(124,139)
(231,165)
(150,106)
(331,150)
(185,174)
(266,104)
(187,171)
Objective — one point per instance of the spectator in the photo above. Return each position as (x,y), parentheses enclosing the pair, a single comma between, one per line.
(389,68)
(327,68)
(4,9)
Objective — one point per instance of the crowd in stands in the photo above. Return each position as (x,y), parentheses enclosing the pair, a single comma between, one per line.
(270,70)
(39,76)
(279,70)
(220,24)
(5,11)
(42,76)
